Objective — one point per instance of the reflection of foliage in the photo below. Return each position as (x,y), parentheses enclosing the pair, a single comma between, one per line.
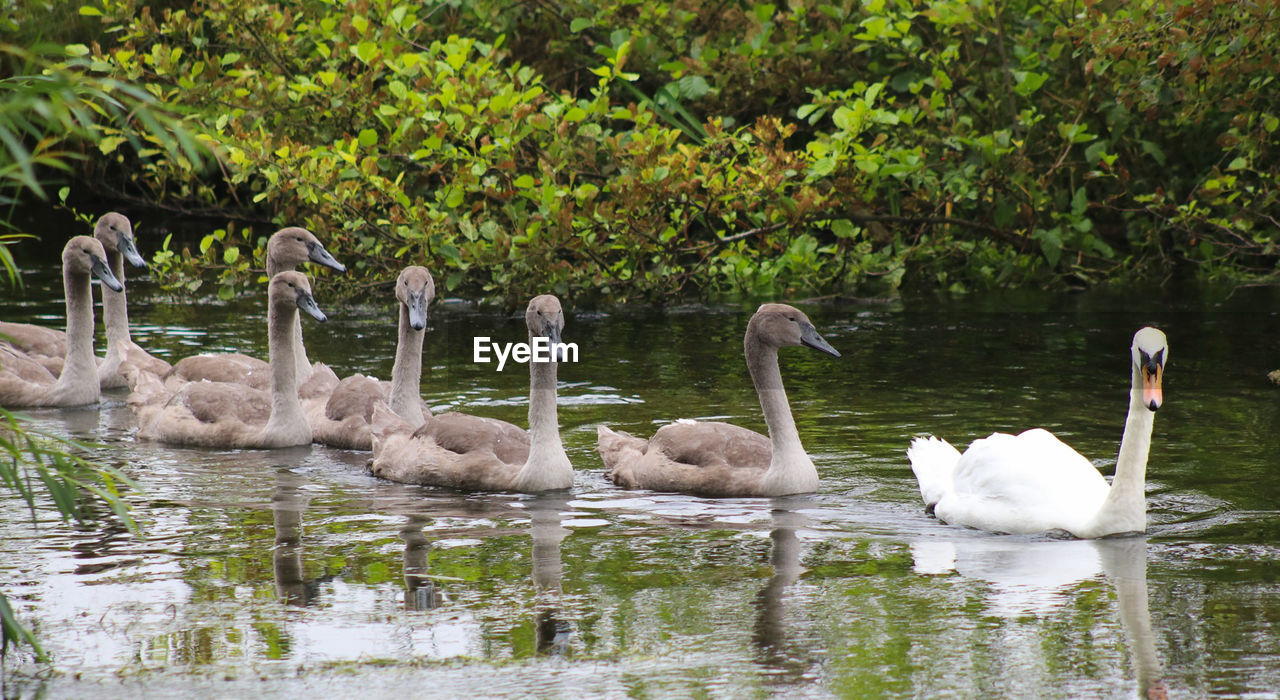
(39,464)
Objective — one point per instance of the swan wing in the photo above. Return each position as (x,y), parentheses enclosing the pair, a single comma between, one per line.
(34,340)
(463,434)
(1026,483)
(414,457)
(703,458)
(235,368)
(933,461)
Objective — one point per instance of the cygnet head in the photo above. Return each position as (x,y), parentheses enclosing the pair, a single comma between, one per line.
(415,289)
(1150,352)
(290,288)
(85,256)
(779,325)
(545,319)
(115,233)
(292,246)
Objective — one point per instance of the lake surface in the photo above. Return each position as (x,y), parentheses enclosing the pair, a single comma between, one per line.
(275,573)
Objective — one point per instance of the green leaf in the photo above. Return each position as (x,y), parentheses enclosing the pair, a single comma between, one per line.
(368,137)
(578,24)
(90,11)
(524,182)
(843,228)
(1050,245)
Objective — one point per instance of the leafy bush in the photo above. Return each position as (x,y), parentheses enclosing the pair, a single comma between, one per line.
(640,150)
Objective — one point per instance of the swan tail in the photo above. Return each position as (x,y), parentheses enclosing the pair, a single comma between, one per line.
(618,449)
(934,461)
(384,423)
(320,384)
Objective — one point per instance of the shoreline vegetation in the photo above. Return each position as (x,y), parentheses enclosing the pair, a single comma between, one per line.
(622,152)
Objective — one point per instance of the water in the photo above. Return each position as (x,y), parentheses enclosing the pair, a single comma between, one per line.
(276,573)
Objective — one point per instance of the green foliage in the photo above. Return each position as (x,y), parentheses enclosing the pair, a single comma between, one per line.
(49,107)
(642,150)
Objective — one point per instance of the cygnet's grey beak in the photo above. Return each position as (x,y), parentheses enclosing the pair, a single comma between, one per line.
(418,311)
(551,331)
(98,267)
(307,303)
(318,255)
(809,336)
(130,251)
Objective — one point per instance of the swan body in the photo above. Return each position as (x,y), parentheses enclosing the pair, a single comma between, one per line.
(479,454)
(1033,482)
(720,459)
(225,415)
(341,417)
(25,381)
(49,347)
(286,250)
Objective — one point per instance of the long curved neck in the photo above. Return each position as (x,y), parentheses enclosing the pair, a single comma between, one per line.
(544,423)
(299,351)
(115,307)
(547,466)
(790,469)
(1125,507)
(406,374)
(80,368)
(286,408)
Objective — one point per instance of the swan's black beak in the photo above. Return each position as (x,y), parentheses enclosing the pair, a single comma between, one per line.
(418,311)
(130,252)
(99,268)
(1152,369)
(307,303)
(318,255)
(809,336)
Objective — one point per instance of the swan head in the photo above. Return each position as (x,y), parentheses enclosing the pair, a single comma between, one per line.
(415,289)
(85,256)
(778,325)
(292,246)
(115,233)
(1150,352)
(545,319)
(292,288)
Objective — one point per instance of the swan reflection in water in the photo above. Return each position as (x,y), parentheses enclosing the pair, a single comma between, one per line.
(287,506)
(769,634)
(551,632)
(420,591)
(1037,577)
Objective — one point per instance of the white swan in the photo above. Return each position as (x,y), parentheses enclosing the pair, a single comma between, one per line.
(26,382)
(479,454)
(286,250)
(721,459)
(48,346)
(342,418)
(222,414)
(1033,482)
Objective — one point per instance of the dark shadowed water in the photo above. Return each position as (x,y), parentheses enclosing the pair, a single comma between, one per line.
(273,574)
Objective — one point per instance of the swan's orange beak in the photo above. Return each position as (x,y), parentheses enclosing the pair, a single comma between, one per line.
(1152,393)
